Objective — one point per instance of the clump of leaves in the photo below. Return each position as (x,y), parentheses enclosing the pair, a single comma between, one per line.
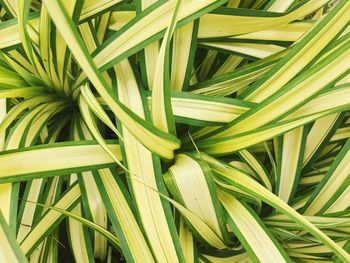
(175,131)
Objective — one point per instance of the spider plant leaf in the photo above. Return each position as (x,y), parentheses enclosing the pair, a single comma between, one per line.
(10,249)
(246,21)
(318,136)
(116,200)
(202,110)
(161,112)
(92,125)
(248,50)
(307,113)
(289,165)
(257,167)
(255,237)
(145,172)
(184,46)
(150,53)
(187,242)
(189,172)
(50,219)
(59,158)
(333,186)
(21,92)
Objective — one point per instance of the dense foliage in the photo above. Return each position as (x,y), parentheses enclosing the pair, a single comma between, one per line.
(174,131)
